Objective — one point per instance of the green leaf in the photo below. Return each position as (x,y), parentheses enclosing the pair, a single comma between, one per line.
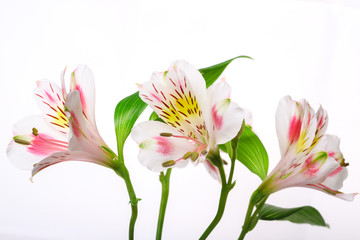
(251,152)
(211,74)
(153,116)
(127,112)
(305,214)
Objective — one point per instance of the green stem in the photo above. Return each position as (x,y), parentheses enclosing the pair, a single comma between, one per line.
(225,186)
(225,189)
(122,171)
(257,199)
(165,183)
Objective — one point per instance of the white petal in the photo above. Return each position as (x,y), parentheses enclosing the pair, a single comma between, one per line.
(226,116)
(248,117)
(336,178)
(82,79)
(346,196)
(26,125)
(219,91)
(212,170)
(285,110)
(323,171)
(178,96)
(332,143)
(149,129)
(24,156)
(84,135)
(322,122)
(156,149)
(50,100)
(63,87)
(69,156)
(20,157)
(308,127)
(231,121)
(295,125)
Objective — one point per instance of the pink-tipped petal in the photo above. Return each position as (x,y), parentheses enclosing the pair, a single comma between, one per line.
(156,149)
(336,178)
(82,80)
(84,134)
(34,139)
(295,125)
(231,117)
(212,170)
(322,122)
(285,120)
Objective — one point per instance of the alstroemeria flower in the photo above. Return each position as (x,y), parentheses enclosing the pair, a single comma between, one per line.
(309,157)
(196,119)
(43,140)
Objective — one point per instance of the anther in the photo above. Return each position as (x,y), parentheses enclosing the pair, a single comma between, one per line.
(194,156)
(35,132)
(187,155)
(164,134)
(21,141)
(343,163)
(168,163)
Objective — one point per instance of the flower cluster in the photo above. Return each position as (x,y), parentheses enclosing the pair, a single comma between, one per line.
(192,123)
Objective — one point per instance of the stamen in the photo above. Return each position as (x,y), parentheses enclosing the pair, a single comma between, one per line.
(189,138)
(35,131)
(168,163)
(194,156)
(187,155)
(21,141)
(164,134)
(343,163)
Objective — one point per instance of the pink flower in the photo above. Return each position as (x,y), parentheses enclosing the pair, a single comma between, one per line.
(196,119)
(66,131)
(310,158)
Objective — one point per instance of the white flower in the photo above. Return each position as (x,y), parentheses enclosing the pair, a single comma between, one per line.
(310,158)
(196,119)
(66,131)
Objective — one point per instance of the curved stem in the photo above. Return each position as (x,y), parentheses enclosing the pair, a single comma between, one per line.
(246,225)
(165,183)
(225,186)
(257,199)
(225,189)
(122,171)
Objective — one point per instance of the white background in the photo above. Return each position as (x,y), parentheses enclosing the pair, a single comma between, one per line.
(308,49)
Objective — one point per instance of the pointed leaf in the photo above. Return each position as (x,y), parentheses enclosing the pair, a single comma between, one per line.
(127,112)
(211,74)
(305,214)
(251,152)
(153,116)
